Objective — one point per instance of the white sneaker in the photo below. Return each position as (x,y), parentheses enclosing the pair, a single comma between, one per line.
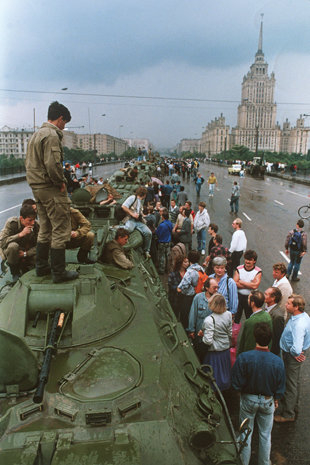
(203,252)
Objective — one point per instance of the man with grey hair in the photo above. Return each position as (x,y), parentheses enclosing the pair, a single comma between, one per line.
(273,297)
(226,286)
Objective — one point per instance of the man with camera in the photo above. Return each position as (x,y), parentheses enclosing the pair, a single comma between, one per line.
(133,207)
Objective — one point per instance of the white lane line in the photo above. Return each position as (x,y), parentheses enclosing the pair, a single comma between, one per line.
(11,208)
(296,193)
(277,201)
(286,258)
(246,216)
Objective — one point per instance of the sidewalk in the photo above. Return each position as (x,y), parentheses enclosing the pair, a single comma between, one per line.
(12,178)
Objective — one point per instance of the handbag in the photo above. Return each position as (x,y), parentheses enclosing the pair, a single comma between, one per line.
(200,347)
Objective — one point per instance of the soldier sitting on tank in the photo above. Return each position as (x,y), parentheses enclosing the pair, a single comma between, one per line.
(18,241)
(114,252)
(81,236)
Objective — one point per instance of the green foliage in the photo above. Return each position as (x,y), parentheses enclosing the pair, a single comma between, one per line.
(192,155)
(79,155)
(130,153)
(11,162)
(240,152)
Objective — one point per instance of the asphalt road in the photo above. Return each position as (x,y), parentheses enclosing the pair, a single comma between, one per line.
(268,209)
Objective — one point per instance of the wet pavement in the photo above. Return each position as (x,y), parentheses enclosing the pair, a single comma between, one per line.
(268,209)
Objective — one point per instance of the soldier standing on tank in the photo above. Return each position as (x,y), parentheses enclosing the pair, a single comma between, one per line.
(44,169)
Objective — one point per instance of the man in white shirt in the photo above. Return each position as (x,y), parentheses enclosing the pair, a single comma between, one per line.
(238,243)
(133,206)
(279,272)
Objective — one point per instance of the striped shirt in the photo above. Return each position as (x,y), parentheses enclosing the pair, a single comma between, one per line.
(228,289)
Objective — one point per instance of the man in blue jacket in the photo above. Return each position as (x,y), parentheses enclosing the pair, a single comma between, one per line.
(163,233)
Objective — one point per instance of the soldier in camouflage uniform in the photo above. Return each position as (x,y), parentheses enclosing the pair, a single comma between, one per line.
(81,235)
(18,241)
(45,176)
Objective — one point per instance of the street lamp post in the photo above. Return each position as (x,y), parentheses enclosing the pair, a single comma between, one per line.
(119,130)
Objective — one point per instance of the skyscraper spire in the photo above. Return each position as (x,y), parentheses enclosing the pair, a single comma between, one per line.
(260,40)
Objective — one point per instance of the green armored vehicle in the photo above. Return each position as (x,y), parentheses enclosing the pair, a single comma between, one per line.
(97,371)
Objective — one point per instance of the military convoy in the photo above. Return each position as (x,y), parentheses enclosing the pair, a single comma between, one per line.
(98,371)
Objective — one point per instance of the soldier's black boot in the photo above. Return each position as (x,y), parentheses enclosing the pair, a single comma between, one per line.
(15,272)
(58,265)
(82,257)
(42,265)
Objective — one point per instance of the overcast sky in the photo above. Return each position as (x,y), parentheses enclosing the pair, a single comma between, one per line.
(172,49)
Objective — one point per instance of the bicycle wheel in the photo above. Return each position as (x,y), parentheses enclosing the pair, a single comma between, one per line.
(304,211)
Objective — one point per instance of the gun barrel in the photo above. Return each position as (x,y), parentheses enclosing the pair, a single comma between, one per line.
(38,395)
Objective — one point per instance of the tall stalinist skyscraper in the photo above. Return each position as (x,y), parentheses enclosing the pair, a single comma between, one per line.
(257,111)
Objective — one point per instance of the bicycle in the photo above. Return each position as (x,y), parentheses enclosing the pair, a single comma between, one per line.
(304,212)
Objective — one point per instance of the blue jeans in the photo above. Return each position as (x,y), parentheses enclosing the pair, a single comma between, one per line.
(201,239)
(198,187)
(257,406)
(294,264)
(131,225)
(235,204)
(211,189)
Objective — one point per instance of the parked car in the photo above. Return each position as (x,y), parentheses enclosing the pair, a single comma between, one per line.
(234,169)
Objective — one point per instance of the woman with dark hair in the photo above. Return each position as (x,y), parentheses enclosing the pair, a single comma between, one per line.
(174,279)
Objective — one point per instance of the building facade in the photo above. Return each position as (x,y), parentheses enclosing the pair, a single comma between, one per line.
(189,145)
(104,144)
(14,141)
(215,138)
(257,126)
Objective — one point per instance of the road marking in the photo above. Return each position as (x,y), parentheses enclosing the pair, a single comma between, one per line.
(246,216)
(286,258)
(296,193)
(280,203)
(11,208)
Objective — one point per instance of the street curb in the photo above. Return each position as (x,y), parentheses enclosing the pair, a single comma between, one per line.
(12,180)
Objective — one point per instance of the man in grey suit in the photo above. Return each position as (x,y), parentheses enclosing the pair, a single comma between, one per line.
(273,297)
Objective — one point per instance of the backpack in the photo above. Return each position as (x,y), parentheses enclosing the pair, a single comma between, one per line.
(120,214)
(201,280)
(296,240)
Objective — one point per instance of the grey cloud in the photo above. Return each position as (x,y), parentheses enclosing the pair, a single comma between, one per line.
(98,42)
